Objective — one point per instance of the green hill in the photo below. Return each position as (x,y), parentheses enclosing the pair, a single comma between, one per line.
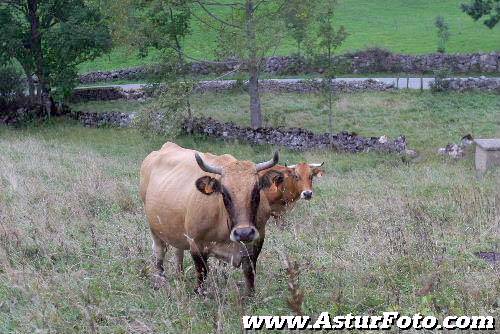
(404,26)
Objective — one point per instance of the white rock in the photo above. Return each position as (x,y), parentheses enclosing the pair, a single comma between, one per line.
(383,140)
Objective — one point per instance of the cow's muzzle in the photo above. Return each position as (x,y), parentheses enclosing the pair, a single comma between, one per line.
(306,194)
(244,234)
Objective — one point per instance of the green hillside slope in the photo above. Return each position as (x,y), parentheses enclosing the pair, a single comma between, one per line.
(404,26)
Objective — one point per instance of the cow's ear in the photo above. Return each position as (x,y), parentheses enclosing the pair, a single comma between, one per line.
(318,172)
(271,178)
(208,185)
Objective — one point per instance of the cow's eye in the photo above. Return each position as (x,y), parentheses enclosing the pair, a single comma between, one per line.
(296,177)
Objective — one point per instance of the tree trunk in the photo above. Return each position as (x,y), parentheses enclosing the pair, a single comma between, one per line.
(253,90)
(31,83)
(31,88)
(253,67)
(330,111)
(330,95)
(36,49)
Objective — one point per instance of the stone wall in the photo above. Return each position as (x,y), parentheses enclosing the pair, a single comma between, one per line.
(272,86)
(97,94)
(467,84)
(107,94)
(292,138)
(367,61)
(21,112)
(98,119)
(295,86)
(295,138)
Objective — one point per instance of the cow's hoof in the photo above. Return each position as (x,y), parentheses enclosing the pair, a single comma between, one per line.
(249,294)
(159,281)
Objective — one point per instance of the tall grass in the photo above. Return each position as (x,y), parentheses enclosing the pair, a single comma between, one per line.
(379,235)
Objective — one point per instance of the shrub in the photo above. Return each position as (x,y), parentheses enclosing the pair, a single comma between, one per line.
(440,83)
(169,110)
(443,32)
(11,84)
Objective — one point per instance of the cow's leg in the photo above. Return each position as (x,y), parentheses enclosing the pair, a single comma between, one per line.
(249,266)
(249,273)
(159,250)
(257,247)
(179,259)
(201,265)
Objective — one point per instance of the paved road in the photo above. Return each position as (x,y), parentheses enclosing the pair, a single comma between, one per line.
(401,83)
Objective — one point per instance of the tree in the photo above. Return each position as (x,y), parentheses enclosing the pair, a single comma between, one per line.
(297,15)
(49,38)
(324,41)
(489,9)
(163,25)
(443,32)
(248,30)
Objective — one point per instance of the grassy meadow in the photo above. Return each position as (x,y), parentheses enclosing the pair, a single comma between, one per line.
(428,120)
(380,234)
(397,25)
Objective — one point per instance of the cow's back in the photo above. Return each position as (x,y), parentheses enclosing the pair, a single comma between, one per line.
(171,200)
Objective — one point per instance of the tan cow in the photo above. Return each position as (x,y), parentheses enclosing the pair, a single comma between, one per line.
(282,186)
(210,205)
(288,184)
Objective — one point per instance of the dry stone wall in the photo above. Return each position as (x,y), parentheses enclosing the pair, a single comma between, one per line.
(271,86)
(467,84)
(367,61)
(292,138)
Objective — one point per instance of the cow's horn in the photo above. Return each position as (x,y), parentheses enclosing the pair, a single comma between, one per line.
(207,167)
(316,165)
(292,166)
(268,164)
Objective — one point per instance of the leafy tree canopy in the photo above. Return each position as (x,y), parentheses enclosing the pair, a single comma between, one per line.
(489,9)
(50,38)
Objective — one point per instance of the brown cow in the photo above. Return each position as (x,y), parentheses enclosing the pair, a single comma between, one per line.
(282,186)
(221,214)
(288,184)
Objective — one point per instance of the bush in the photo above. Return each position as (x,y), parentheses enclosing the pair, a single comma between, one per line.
(441,83)
(11,85)
(167,112)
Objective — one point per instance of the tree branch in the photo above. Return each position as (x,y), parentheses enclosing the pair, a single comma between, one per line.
(212,15)
(204,22)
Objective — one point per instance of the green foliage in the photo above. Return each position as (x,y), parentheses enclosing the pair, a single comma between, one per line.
(162,25)
(328,38)
(489,9)
(11,84)
(443,32)
(165,115)
(440,83)
(325,40)
(298,16)
(51,38)
(171,105)
(233,27)
(408,27)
